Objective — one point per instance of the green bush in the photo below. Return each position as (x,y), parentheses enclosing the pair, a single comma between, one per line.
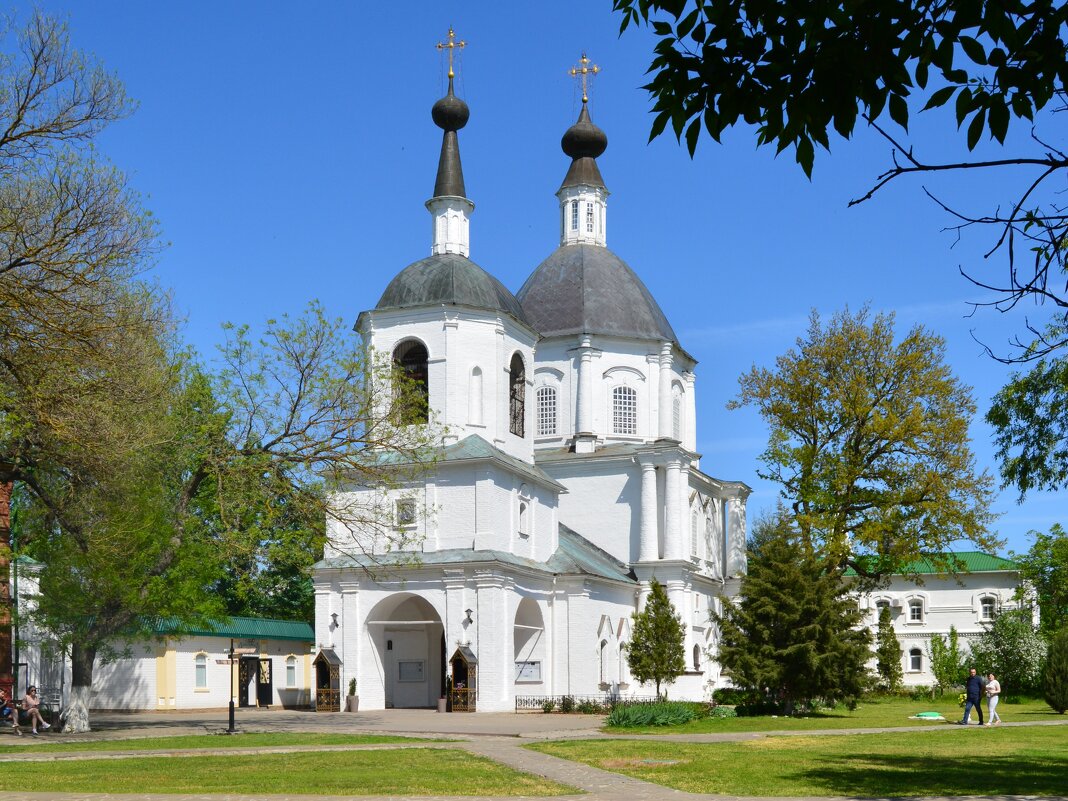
(664,713)
(588,707)
(548,705)
(567,704)
(1055,673)
(718,712)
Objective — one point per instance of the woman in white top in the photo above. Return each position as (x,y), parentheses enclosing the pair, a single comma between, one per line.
(993,690)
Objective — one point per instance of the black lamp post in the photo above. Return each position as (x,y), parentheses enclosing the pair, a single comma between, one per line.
(231,730)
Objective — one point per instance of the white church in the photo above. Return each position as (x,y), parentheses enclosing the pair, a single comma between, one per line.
(568,480)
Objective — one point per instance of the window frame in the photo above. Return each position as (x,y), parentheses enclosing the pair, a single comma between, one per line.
(914,617)
(291,672)
(624,409)
(200,671)
(915,660)
(517,395)
(543,413)
(405,513)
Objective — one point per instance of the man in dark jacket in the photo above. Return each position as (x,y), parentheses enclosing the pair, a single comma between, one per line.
(973,694)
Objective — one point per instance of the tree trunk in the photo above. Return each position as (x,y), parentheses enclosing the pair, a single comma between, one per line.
(76,715)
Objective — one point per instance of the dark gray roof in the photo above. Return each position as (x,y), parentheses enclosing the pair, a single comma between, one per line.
(450,279)
(588,289)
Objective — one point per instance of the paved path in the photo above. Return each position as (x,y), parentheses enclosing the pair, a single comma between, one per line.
(497,737)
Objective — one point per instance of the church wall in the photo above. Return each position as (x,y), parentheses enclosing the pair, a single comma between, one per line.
(129,682)
(458,341)
(615,362)
(602,503)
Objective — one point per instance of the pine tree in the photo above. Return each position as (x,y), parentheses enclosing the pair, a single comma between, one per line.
(656,651)
(1055,672)
(793,635)
(888,652)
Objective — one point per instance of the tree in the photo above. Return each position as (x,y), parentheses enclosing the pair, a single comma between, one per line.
(1044,569)
(1055,673)
(869,443)
(802,71)
(656,651)
(888,652)
(1011,649)
(947,659)
(794,633)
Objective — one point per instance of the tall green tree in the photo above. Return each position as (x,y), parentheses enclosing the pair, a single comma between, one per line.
(947,656)
(888,652)
(1011,649)
(656,651)
(869,445)
(1044,569)
(1055,673)
(793,635)
(802,73)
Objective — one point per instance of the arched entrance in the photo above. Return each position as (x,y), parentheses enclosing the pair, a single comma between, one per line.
(408,635)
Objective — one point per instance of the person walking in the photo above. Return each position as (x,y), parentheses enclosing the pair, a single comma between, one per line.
(973,692)
(31,707)
(993,690)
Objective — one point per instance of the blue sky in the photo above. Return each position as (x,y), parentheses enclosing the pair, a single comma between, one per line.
(287,150)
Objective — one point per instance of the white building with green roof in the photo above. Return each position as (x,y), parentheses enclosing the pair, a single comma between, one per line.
(934,601)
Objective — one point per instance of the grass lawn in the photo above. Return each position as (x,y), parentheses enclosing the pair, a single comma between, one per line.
(874,713)
(953,761)
(430,771)
(213,741)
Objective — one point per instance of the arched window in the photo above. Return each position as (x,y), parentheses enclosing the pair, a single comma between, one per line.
(524,519)
(517,388)
(291,671)
(624,411)
(710,541)
(697,657)
(915,660)
(987,608)
(474,397)
(695,545)
(574,215)
(915,611)
(411,388)
(201,671)
(546,411)
(603,654)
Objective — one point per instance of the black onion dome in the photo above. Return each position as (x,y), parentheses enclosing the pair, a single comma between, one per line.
(588,289)
(452,280)
(584,139)
(450,113)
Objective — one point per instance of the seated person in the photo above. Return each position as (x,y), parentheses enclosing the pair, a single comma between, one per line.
(31,708)
(8,712)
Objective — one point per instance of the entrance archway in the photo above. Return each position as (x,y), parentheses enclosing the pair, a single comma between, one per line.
(407,633)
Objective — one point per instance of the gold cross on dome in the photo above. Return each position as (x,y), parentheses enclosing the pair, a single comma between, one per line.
(451,45)
(584,69)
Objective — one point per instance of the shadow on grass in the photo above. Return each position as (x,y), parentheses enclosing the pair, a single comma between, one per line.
(896,775)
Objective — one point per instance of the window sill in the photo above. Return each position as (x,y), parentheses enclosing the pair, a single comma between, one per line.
(202,689)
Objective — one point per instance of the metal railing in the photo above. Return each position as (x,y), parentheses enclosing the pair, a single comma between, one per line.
(578,703)
(327,700)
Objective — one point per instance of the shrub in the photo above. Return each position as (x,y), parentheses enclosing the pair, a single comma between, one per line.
(732,696)
(718,712)
(664,713)
(567,704)
(757,709)
(548,705)
(1055,673)
(588,707)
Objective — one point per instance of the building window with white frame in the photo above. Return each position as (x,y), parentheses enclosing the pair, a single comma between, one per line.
(915,660)
(546,400)
(915,611)
(697,658)
(200,671)
(574,215)
(524,518)
(291,671)
(987,608)
(624,411)
(589,218)
(676,417)
(517,388)
(695,544)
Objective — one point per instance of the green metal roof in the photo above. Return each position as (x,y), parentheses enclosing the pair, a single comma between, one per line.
(966,562)
(245,628)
